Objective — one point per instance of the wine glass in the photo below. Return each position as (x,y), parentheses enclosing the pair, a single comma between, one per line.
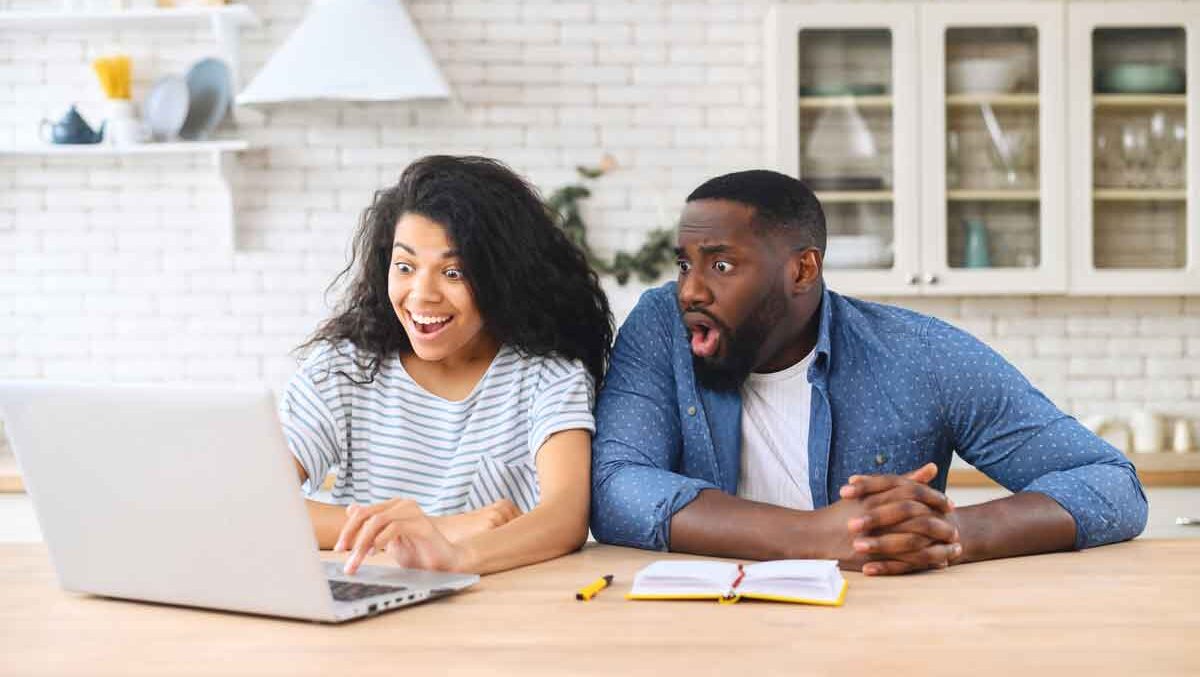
(1105,165)
(953,159)
(1135,153)
(1175,156)
(1160,141)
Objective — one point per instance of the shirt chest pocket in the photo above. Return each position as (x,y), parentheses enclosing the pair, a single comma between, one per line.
(495,479)
(891,455)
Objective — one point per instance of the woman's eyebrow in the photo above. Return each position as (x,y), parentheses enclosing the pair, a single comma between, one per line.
(448,254)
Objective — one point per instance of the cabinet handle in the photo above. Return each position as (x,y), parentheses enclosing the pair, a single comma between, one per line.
(930,278)
(913,278)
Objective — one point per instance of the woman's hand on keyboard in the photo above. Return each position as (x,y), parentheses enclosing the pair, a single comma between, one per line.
(400,528)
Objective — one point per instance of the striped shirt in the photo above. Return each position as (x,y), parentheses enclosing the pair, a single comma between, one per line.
(391,438)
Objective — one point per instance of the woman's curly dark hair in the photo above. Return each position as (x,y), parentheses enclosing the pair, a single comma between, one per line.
(533,287)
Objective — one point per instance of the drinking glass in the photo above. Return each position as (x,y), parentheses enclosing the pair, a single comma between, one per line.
(1135,154)
(1106,166)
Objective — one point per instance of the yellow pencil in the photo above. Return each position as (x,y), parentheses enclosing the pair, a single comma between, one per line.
(589,591)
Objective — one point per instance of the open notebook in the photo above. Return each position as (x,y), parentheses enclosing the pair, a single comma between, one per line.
(802,581)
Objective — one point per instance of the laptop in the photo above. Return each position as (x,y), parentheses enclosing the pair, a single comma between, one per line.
(188,496)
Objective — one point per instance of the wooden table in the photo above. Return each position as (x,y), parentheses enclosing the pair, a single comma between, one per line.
(1132,608)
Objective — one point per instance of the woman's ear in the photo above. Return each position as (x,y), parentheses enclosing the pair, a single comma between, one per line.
(804,269)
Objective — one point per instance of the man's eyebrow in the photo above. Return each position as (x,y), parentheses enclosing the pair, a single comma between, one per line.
(448,254)
(714,248)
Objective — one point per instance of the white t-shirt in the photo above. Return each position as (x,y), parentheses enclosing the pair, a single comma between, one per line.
(775,413)
(390,437)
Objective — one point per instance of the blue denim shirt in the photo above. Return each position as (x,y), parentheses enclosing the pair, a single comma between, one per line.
(892,390)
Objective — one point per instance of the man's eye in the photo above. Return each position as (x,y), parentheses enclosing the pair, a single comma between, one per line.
(403,267)
(684,266)
(454,274)
(723,267)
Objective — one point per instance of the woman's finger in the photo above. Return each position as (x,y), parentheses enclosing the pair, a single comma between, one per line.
(355,515)
(364,541)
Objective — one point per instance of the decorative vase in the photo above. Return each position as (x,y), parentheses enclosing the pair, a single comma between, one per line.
(975,252)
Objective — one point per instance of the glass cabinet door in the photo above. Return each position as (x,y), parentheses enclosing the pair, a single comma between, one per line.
(993,149)
(843,90)
(1136,195)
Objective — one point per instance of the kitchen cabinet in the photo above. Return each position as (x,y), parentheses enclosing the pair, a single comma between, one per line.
(951,145)
(993,189)
(1133,148)
(842,103)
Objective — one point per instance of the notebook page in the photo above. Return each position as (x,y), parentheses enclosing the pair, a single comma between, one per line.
(817,579)
(685,577)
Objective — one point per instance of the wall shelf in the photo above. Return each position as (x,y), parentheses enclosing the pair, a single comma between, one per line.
(92,149)
(823,102)
(993,195)
(844,196)
(1139,100)
(998,100)
(236,15)
(1140,194)
(225,23)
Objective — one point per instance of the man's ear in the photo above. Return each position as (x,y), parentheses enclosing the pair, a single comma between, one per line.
(804,269)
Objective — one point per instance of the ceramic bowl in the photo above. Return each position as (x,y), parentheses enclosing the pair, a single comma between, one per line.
(981,76)
(1141,78)
(856,251)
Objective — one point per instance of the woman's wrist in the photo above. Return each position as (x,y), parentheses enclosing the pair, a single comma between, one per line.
(468,559)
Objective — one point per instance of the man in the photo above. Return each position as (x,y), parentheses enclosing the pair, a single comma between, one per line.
(750,412)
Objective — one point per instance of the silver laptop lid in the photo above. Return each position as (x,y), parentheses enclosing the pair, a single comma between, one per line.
(184,495)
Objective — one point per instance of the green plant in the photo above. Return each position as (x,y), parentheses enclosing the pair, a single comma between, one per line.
(648,263)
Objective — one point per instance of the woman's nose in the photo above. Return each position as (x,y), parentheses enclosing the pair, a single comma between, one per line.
(426,286)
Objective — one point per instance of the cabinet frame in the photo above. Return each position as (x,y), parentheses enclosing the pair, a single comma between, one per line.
(1050,276)
(783,122)
(1085,278)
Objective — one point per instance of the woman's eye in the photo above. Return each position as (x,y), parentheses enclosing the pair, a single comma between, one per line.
(684,266)
(454,274)
(402,267)
(723,267)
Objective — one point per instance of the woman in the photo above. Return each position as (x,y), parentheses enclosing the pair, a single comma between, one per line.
(452,390)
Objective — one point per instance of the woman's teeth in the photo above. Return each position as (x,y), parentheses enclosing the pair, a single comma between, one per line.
(428,324)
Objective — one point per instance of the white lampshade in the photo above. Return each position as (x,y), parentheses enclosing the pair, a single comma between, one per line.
(350,50)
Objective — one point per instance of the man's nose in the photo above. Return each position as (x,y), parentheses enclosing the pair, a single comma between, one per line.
(693,292)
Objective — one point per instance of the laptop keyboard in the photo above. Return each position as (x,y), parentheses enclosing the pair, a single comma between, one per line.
(346,591)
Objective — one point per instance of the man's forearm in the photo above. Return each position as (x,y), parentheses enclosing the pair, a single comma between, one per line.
(1026,523)
(718,524)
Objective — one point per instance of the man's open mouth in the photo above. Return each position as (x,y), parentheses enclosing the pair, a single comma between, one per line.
(705,336)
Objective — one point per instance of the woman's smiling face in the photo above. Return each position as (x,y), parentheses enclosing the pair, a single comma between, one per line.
(429,291)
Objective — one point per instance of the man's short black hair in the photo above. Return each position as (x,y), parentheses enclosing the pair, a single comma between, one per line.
(782,204)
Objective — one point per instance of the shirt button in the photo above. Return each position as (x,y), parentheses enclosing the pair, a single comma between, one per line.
(880,459)
(691,411)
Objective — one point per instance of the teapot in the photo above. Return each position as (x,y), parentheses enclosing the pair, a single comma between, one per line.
(71,129)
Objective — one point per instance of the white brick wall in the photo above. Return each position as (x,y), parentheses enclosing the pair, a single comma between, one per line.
(108,267)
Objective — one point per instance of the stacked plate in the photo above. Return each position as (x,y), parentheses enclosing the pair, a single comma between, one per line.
(189,107)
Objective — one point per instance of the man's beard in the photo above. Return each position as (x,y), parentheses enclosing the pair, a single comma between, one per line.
(741,346)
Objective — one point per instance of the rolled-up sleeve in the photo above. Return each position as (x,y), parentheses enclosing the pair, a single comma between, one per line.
(1005,427)
(637,447)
